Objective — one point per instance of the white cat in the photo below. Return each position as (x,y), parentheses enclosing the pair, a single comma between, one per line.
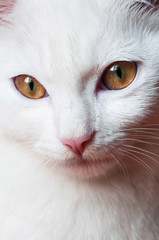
(79,120)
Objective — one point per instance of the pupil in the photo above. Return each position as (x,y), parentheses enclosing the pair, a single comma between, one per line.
(31,85)
(119,72)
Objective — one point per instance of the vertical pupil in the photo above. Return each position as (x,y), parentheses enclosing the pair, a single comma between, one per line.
(31,85)
(119,72)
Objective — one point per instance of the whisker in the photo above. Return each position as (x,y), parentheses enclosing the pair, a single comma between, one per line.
(143,150)
(144,154)
(144,130)
(119,164)
(138,140)
(137,159)
(148,130)
(152,136)
(147,126)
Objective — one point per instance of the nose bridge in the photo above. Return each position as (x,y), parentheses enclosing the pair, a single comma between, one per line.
(73,116)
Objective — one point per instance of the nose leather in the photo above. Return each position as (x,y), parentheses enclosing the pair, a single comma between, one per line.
(76,144)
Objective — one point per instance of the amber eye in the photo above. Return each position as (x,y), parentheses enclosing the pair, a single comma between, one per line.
(119,75)
(29,87)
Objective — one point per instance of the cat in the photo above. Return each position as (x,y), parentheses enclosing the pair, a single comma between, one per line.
(79,120)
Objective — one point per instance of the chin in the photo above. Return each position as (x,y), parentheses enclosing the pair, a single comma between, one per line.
(87,169)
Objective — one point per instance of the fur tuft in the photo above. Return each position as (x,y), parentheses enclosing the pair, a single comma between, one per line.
(154,3)
(5,8)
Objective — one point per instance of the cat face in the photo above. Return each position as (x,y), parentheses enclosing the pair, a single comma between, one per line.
(95,67)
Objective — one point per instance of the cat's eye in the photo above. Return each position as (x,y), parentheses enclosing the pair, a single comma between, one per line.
(29,87)
(119,75)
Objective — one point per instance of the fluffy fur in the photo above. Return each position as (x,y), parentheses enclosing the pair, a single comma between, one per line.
(66,46)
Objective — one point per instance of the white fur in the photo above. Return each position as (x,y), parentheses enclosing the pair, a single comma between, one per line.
(66,46)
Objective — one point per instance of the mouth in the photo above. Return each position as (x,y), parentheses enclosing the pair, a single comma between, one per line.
(84,168)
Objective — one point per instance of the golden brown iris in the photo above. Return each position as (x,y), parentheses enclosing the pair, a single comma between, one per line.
(119,75)
(29,87)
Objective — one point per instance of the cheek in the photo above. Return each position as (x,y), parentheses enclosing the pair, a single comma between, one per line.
(115,112)
(47,146)
(26,124)
(108,114)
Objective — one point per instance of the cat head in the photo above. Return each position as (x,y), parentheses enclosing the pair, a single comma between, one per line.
(70,52)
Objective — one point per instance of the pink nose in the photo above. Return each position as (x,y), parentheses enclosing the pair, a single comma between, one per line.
(77,144)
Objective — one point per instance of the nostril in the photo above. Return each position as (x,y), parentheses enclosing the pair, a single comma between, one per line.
(77,144)
(71,143)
